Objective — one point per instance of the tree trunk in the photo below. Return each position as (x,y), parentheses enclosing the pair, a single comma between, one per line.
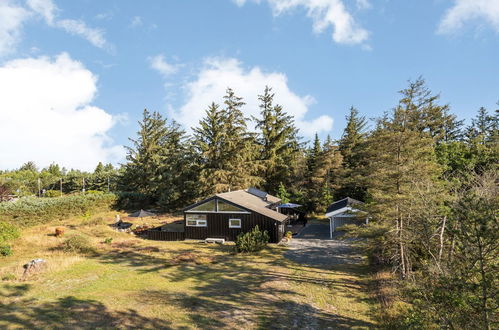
(440,251)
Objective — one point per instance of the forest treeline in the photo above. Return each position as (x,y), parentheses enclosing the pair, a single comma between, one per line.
(428,180)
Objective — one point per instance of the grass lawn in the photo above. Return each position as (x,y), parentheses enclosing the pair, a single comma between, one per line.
(135,283)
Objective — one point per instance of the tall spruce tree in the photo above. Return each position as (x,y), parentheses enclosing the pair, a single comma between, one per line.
(352,147)
(209,142)
(227,150)
(240,145)
(278,143)
(155,166)
(401,155)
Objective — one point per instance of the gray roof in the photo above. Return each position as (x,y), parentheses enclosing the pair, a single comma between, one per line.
(254,203)
(342,203)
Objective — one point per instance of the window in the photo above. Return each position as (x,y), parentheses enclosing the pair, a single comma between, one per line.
(226,207)
(196,220)
(209,206)
(234,223)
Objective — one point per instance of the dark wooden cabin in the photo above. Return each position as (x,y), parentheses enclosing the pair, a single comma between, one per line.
(225,215)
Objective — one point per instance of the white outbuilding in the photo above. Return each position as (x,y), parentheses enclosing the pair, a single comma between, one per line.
(344,212)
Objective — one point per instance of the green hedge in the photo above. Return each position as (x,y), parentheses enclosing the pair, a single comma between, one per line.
(31,211)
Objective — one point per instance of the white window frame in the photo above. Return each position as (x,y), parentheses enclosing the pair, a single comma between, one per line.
(199,222)
(232,226)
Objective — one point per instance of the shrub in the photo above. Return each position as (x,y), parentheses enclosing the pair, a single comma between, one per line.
(52,193)
(289,235)
(77,244)
(108,240)
(252,241)
(32,211)
(8,277)
(5,250)
(8,232)
(133,200)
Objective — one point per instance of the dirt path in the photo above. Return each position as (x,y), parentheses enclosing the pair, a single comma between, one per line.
(343,300)
(313,247)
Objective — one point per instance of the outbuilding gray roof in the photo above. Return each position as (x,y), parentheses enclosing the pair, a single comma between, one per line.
(342,203)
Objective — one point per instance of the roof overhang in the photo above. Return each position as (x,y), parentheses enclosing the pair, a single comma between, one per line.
(342,210)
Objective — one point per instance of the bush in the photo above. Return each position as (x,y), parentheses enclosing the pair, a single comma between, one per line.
(289,235)
(33,211)
(77,244)
(8,232)
(8,277)
(133,200)
(252,241)
(5,250)
(108,240)
(52,193)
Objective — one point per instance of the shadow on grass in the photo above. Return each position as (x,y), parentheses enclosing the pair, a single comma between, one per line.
(242,291)
(69,313)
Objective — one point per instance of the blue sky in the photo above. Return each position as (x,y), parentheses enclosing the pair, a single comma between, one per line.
(77,74)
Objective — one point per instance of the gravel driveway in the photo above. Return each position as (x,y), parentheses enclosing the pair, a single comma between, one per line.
(313,247)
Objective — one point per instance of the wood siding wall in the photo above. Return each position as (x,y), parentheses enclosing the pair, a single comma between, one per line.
(158,235)
(218,226)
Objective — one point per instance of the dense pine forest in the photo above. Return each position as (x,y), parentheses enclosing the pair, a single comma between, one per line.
(429,182)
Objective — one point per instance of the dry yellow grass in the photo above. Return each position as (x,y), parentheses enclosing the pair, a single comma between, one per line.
(133,282)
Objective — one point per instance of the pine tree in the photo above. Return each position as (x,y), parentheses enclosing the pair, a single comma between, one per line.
(99,168)
(156,166)
(283,194)
(240,152)
(401,158)
(352,147)
(323,170)
(278,143)
(209,142)
(227,149)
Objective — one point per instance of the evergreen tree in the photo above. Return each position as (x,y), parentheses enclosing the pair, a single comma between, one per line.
(156,164)
(29,166)
(227,149)
(352,147)
(283,194)
(99,168)
(323,169)
(401,156)
(240,150)
(278,143)
(209,143)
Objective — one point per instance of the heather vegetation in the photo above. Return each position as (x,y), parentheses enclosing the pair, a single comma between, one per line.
(30,211)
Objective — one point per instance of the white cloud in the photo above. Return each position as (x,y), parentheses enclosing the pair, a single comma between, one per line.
(160,64)
(465,11)
(49,11)
(79,28)
(325,14)
(46,115)
(219,73)
(11,20)
(136,21)
(46,8)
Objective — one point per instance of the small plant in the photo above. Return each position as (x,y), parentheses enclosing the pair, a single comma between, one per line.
(5,250)
(52,193)
(78,244)
(8,232)
(8,277)
(289,235)
(252,241)
(108,240)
